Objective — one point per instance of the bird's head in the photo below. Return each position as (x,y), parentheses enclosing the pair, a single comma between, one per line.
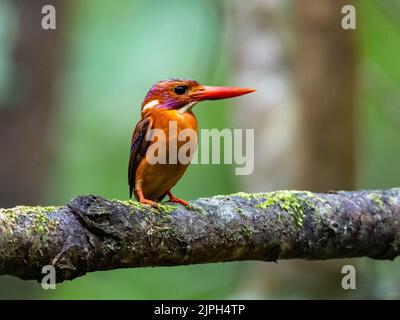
(182,94)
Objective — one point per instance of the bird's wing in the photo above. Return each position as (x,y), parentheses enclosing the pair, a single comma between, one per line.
(138,150)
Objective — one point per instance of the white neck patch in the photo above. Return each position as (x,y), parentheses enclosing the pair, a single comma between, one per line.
(187,107)
(151,104)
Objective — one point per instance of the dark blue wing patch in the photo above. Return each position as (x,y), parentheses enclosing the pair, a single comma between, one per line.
(138,149)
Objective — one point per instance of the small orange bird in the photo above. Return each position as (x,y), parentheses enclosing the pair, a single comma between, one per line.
(168,102)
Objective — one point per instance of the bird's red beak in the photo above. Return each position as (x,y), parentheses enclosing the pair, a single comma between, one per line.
(216,93)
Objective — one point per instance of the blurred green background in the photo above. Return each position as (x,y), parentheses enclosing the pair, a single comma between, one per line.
(108,55)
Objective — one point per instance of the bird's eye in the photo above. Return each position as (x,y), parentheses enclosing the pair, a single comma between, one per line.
(180,89)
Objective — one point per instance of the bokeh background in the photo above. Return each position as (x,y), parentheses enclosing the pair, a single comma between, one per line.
(326,116)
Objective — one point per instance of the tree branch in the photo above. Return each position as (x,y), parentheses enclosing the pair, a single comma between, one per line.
(92,233)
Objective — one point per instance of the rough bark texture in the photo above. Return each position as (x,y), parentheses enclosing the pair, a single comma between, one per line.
(92,233)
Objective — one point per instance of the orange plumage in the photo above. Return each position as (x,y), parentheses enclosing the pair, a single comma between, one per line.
(167,107)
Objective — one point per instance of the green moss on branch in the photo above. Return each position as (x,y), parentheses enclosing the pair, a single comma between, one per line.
(92,233)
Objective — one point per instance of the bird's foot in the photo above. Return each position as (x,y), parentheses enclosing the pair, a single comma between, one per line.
(149,202)
(143,200)
(172,198)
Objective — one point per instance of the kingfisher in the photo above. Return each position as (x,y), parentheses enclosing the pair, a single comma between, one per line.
(168,102)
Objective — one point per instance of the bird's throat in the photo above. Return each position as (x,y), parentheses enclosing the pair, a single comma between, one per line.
(187,107)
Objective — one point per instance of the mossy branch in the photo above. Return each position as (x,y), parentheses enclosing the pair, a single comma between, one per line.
(93,234)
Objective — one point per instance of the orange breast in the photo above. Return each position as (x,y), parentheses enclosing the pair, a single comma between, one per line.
(167,157)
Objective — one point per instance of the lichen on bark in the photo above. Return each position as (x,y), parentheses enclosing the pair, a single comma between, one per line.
(91,233)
